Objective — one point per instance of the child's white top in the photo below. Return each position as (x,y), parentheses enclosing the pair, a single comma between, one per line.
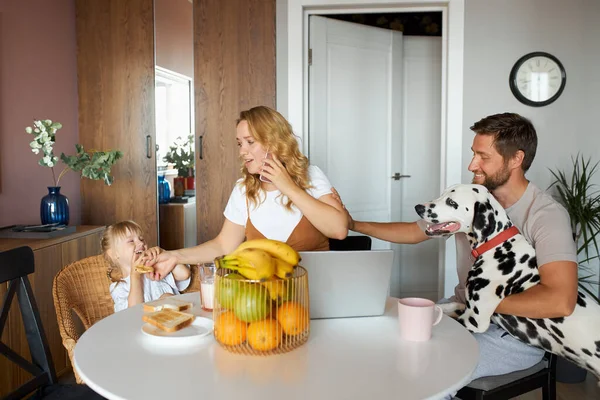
(271,218)
(152,289)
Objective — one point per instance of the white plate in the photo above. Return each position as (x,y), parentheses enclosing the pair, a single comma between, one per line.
(199,328)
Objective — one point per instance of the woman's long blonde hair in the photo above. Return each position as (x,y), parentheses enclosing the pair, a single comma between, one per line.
(110,235)
(274,133)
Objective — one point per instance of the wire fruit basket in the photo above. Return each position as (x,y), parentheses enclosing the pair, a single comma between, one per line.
(261,318)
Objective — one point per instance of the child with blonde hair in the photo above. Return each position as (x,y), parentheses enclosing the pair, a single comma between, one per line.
(123,246)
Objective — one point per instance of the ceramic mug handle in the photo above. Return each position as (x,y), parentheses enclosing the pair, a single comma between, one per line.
(438,309)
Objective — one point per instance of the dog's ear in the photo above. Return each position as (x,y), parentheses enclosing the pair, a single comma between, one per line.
(484,220)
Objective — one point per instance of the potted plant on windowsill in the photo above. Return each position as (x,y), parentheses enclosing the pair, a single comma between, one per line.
(96,165)
(581,199)
(181,155)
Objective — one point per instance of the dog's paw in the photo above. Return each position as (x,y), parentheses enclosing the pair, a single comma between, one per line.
(453,310)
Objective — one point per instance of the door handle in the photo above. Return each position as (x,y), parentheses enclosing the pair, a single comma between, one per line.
(397,176)
(148,146)
(200,155)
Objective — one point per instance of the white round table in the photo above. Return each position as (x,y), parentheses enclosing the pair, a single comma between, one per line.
(346,358)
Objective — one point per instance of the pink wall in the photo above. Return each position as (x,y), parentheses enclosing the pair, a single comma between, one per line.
(174,36)
(38,79)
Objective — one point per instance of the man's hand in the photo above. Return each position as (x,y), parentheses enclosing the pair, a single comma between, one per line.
(336,196)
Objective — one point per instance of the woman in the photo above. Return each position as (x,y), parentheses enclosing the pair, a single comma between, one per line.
(280,196)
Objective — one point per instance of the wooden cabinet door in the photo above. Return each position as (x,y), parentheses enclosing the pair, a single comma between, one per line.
(115,75)
(234,69)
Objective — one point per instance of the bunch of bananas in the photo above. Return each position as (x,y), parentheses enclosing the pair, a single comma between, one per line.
(262,259)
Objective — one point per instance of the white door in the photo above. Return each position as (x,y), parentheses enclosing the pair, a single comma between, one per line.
(356,126)
(355,73)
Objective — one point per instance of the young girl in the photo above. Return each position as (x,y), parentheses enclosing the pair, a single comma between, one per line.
(123,246)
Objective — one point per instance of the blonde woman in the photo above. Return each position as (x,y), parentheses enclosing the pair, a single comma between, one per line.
(280,196)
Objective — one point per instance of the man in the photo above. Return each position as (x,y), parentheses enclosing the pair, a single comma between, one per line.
(503,149)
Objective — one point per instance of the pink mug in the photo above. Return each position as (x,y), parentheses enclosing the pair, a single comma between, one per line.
(416,317)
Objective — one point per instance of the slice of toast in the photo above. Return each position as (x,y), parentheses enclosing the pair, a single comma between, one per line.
(169,320)
(143,269)
(167,303)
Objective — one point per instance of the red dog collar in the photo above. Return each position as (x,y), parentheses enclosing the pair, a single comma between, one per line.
(501,238)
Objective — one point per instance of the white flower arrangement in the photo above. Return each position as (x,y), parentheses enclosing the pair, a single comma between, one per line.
(45,133)
(93,165)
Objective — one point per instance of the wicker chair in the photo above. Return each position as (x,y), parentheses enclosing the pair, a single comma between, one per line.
(82,287)
(195,280)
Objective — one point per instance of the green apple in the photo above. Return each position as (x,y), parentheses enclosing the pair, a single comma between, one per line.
(252,303)
(227,289)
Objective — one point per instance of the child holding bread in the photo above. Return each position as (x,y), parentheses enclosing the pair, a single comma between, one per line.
(123,246)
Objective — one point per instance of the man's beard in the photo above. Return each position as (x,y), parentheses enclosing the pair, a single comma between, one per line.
(493,182)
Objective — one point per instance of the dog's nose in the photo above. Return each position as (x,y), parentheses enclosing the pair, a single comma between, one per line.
(420,209)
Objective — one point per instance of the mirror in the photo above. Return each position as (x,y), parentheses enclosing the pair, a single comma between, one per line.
(175,156)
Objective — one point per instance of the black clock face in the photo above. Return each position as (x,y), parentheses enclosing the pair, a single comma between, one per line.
(537,79)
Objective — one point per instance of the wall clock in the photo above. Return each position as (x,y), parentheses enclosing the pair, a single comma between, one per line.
(537,79)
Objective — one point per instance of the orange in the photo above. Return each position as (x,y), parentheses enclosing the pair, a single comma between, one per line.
(229,330)
(293,318)
(264,335)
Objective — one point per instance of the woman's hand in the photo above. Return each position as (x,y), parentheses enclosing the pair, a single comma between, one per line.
(274,170)
(153,251)
(162,263)
(336,196)
(149,256)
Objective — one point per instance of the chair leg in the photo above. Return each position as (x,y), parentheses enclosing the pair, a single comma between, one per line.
(34,331)
(549,390)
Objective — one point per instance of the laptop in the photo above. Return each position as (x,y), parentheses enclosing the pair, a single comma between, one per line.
(347,283)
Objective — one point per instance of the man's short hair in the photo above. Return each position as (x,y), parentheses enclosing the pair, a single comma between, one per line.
(512,133)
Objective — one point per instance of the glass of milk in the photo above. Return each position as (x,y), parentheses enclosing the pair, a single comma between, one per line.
(207,285)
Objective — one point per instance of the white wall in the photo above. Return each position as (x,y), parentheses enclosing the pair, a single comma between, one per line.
(497,34)
(589,139)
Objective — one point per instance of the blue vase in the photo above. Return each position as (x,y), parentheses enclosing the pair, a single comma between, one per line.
(54,208)
(164,190)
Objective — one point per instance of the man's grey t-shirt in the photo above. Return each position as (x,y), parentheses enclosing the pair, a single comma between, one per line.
(544,223)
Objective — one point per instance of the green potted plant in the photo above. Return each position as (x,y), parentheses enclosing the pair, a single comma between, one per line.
(96,165)
(181,155)
(581,199)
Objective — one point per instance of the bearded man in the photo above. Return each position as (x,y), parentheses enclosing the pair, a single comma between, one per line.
(503,148)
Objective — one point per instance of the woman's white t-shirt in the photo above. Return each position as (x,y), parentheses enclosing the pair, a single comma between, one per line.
(152,289)
(271,217)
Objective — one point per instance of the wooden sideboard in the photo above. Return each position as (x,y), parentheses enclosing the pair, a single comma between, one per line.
(50,256)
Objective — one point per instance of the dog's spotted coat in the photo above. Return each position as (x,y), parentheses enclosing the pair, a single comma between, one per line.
(508,268)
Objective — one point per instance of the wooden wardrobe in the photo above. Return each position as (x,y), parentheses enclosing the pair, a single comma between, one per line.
(234,69)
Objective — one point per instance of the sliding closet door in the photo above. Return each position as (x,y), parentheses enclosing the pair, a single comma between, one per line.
(115,63)
(234,69)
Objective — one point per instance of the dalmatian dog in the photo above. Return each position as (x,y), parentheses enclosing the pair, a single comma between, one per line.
(509,266)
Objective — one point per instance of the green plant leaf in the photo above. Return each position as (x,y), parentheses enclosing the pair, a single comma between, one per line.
(181,155)
(581,199)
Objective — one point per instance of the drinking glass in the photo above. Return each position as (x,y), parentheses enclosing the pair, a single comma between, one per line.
(207,285)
